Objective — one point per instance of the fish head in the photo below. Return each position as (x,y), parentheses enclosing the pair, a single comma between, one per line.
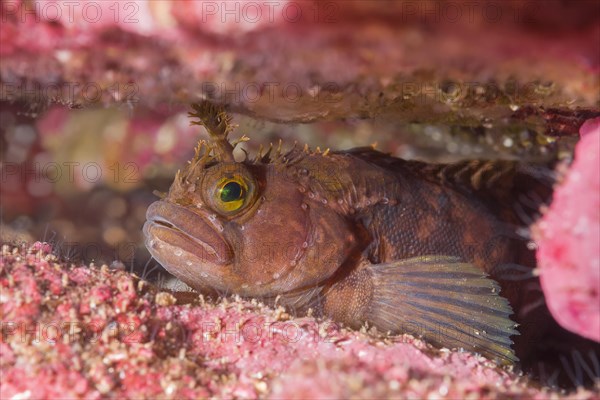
(244,228)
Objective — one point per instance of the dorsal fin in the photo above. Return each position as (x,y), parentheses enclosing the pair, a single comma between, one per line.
(502,185)
(516,190)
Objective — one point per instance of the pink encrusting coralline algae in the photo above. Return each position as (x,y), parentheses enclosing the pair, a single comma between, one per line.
(76,331)
(568,237)
(305,60)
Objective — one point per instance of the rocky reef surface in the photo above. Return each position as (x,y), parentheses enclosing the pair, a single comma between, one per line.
(79,331)
(568,237)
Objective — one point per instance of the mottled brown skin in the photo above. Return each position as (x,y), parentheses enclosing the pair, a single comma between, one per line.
(407,210)
(317,222)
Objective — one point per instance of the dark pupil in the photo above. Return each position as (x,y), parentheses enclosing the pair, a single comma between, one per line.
(231,192)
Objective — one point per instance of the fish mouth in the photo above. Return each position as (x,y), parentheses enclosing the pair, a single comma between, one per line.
(181,228)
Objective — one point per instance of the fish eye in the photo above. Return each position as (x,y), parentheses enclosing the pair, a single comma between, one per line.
(229,189)
(231,194)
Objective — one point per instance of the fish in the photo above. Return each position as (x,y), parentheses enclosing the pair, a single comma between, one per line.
(358,236)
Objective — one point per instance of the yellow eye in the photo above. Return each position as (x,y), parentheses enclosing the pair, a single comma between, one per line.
(229,189)
(231,194)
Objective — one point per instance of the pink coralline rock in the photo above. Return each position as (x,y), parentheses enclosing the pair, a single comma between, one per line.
(308,60)
(568,237)
(76,331)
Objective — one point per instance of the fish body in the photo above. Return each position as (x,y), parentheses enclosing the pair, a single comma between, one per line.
(358,236)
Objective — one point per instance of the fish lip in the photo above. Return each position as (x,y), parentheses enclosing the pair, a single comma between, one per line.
(180,227)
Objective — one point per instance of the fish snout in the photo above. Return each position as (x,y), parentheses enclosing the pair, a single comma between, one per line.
(172,229)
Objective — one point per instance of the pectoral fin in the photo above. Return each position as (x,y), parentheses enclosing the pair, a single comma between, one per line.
(448,302)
